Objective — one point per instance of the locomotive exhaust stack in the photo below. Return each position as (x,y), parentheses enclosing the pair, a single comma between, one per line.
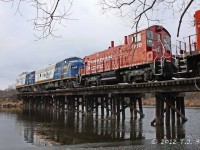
(112,44)
(125,40)
(197,24)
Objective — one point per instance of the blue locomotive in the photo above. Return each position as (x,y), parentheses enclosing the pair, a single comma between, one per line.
(54,76)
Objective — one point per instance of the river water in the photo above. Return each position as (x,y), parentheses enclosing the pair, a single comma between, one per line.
(39,129)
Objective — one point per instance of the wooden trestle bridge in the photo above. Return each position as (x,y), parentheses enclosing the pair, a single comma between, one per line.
(114,99)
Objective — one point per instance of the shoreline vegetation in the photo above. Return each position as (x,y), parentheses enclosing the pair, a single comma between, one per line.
(8,98)
(191,100)
(11,103)
(188,102)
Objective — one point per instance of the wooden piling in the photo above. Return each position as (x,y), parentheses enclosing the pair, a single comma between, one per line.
(123,107)
(118,107)
(158,111)
(172,101)
(167,114)
(102,106)
(178,108)
(135,107)
(140,107)
(162,111)
(113,99)
(131,106)
(107,107)
(182,108)
(82,104)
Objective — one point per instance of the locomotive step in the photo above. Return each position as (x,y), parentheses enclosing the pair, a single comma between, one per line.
(183,60)
(183,66)
(183,71)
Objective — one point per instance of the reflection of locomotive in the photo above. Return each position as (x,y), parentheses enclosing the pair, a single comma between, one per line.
(144,56)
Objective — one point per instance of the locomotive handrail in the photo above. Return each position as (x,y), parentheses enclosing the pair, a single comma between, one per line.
(155,58)
(190,43)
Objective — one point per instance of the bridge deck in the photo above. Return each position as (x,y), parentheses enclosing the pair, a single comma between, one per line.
(181,85)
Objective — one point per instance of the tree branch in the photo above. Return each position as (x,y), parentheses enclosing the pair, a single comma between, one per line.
(182,15)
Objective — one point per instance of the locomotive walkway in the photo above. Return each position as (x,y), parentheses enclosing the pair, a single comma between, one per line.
(114,99)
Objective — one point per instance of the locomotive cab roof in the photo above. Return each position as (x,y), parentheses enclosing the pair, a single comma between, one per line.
(158,29)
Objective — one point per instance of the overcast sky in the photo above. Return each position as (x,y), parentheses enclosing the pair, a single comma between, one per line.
(90,32)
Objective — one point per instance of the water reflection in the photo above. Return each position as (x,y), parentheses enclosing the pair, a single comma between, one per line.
(73,128)
(47,128)
(170,133)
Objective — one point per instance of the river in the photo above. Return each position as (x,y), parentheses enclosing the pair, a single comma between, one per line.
(39,129)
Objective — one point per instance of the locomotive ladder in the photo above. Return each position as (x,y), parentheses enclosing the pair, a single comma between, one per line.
(158,65)
(182,59)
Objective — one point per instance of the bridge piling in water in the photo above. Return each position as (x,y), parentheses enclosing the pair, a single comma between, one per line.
(113,104)
(174,108)
(170,109)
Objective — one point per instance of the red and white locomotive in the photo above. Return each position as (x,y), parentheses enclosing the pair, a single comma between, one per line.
(145,55)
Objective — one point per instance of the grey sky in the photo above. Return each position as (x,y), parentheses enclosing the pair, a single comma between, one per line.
(91,32)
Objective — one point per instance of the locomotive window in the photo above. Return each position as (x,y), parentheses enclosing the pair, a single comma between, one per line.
(158,37)
(159,48)
(136,37)
(150,42)
(150,37)
(150,34)
(167,42)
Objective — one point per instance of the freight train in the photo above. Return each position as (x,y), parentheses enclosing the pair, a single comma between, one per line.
(145,56)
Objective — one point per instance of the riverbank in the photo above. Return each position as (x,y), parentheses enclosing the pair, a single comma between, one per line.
(188,102)
(10,103)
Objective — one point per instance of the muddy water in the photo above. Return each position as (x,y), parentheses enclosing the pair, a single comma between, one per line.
(39,129)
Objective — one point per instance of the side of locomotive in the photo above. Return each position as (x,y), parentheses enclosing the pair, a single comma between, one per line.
(145,55)
(60,75)
(188,57)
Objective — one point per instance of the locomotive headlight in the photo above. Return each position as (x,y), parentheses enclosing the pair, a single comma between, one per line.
(73,67)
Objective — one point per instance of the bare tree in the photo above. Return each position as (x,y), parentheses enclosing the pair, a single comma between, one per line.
(49,14)
(150,10)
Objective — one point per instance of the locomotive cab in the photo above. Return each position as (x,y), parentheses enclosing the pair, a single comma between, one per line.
(159,50)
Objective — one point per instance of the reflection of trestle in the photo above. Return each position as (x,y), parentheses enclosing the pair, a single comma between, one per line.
(170,134)
(73,127)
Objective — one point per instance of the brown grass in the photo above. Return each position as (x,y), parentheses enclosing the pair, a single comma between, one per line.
(188,102)
(11,104)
